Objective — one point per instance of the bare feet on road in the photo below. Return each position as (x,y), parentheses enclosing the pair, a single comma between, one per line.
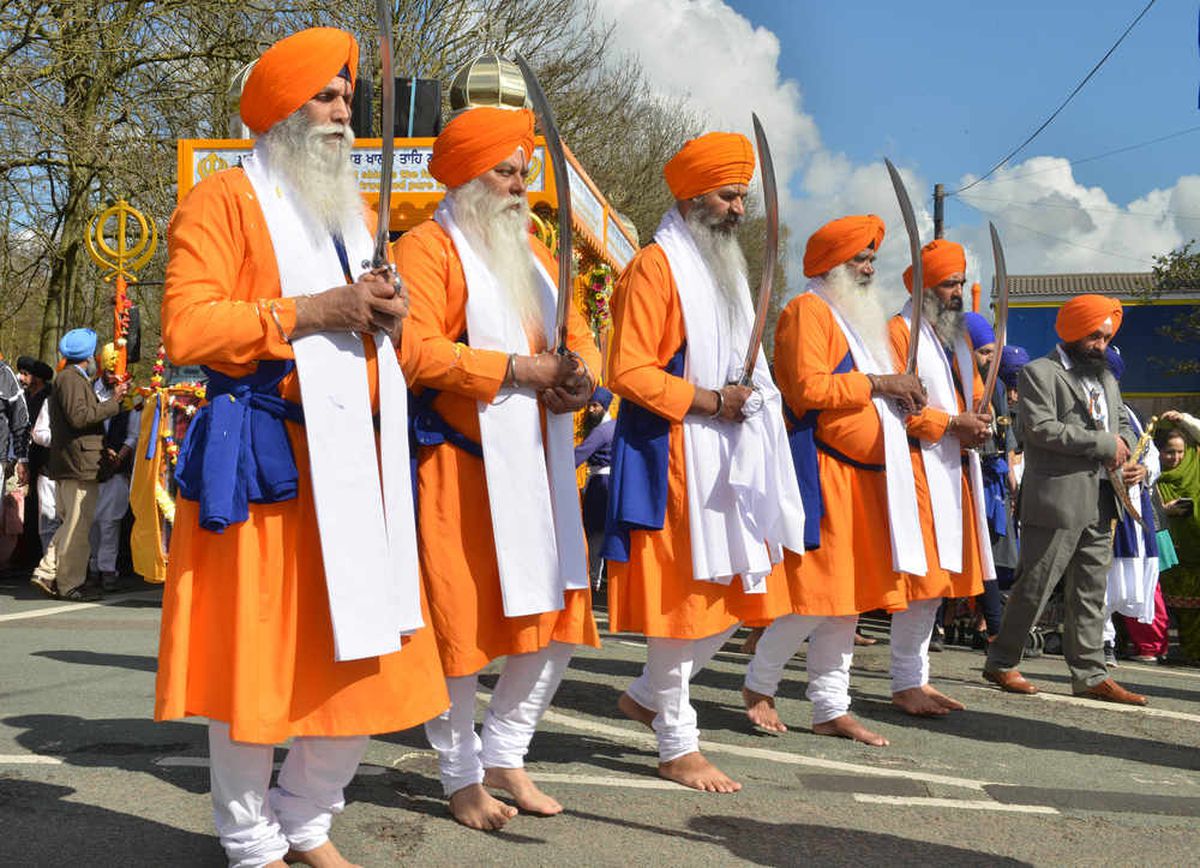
(693,770)
(847,727)
(325,856)
(518,784)
(635,711)
(760,708)
(476,808)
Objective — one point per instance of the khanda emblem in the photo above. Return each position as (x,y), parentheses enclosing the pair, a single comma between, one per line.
(212,162)
(114,248)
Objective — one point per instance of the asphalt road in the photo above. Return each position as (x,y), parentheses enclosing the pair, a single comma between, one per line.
(87,778)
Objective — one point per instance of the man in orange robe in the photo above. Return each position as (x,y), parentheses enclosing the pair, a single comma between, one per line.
(958,552)
(501,537)
(703,498)
(256,633)
(834,366)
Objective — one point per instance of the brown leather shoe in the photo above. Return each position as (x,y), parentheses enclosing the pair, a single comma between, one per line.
(1010,681)
(1109,691)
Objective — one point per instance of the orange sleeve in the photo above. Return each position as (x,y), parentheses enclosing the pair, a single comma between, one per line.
(437,316)
(209,314)
(931,423)
(642,302)
(808,346)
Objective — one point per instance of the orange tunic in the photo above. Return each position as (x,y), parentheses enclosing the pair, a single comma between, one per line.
(246,634)
(454,524)
(851,571)
(930,425)
(655,593)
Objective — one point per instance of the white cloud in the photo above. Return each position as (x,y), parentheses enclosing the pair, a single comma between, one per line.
(709,55)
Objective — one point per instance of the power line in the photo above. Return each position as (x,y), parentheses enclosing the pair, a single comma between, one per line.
(1083,160)
(1064,103)
(1118,211)
(1004,219)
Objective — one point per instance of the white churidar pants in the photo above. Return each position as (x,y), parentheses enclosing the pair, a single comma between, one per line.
(911,631)
(257,826)
(48,520)
(523,692)
(664,687)
(830,651)
(105,535)
(1110,630)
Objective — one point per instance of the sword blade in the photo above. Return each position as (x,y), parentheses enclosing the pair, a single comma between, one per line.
(918,278)
(387,130)
(770,252)
(562,190)
(1001,326)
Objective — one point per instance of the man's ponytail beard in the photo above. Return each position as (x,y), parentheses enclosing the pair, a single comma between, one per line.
(318,172)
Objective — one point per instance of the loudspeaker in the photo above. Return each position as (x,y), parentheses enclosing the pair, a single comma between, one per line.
(362,106)
(426,107)
(133,337)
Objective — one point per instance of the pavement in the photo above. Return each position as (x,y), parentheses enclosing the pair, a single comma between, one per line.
(86,777)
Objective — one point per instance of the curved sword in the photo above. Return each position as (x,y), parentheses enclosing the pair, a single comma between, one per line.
(562,190)
(1001,327)
(387,130)
(918,278)
(770,253)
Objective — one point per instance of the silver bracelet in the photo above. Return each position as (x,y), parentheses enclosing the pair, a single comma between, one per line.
(720,404)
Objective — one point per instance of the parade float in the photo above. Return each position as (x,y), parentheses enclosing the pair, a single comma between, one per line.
(604,242)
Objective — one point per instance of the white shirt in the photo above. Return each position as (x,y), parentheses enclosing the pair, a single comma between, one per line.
(1097,401)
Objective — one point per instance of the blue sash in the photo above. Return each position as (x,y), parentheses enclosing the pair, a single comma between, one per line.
(637,496)
(237,450)
(429,427)
(802,438)
(995,485)
(1125,536)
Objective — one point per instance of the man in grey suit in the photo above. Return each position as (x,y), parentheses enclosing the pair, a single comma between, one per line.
(1077,442)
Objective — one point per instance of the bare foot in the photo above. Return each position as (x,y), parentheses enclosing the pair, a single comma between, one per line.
(693,770)
(750,644)
(847,727)
(517,783)
(942,699)
(917,702)
(476,808)
(325,856)
(760,708)
(861,640)
(636,711)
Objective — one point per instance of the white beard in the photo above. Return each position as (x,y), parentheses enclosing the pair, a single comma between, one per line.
(498,229)
(947,324)
(722,255)
(861,307)
(317,172)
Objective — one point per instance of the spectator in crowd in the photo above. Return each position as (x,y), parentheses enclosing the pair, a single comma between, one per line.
(1012,359)
(1179,487)
(76,431)
(116,466)
(596,450)
(14,425)
(35,377)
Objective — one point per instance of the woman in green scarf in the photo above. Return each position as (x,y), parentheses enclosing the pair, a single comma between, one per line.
(1179,488)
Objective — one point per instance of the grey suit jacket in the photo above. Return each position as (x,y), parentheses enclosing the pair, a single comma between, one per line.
(1064,453)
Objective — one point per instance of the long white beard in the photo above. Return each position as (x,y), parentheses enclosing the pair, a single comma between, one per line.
(498,228)
(861,307)
(318,172)
(723,256)
(947,324)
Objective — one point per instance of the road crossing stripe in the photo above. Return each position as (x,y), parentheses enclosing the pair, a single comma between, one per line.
(966,805)
(43,611)
(29,759)
(1100,705)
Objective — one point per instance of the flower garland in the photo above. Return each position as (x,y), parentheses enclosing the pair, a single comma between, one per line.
(597,297)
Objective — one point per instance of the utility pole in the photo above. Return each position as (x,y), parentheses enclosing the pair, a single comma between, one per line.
(939,206)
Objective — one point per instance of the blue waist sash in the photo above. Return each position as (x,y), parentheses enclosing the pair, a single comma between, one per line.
(237,450)
(802,438)
(637,494)
(1125,537)
(995,487)
(429,427)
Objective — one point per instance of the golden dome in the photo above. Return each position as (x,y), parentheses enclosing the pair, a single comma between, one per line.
(488,80)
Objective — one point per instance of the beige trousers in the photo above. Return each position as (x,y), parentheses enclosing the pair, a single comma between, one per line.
(66,559)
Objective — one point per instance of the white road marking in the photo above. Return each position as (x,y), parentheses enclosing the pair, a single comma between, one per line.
(201,762)
(1100,705)
(625,783)
(626,735)
(1157,670)
(73,607)
(970,805)
(29,759)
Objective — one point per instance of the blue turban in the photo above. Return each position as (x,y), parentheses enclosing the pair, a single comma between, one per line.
(1012,359)
(77,345)
(1116,364)
(602,396)
(979,329)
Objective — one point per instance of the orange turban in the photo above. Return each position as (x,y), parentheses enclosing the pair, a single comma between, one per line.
(293,71)
(939,259)
(839,241)
(477,140)
(1085,314)
(710,161)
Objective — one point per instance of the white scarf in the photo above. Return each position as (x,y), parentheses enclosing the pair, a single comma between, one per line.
(532,493)
(943,459)
(367,527)
(904,522)
(744,502)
